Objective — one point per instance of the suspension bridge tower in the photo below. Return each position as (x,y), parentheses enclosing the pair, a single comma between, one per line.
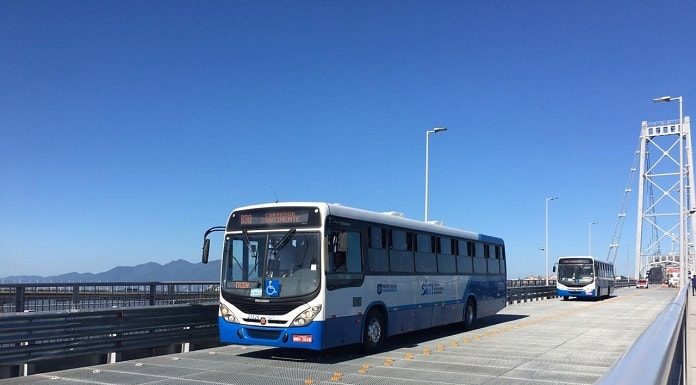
(666,201)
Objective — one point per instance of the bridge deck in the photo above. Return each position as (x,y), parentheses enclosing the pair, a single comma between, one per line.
(544,342)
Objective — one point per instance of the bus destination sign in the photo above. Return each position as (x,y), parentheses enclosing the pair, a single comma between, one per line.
(275,217)
(288,217)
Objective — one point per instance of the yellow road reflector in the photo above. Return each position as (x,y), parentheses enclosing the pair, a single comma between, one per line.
(337,376)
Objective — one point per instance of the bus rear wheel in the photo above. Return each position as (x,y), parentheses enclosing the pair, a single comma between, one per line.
(375,332)
(469,314)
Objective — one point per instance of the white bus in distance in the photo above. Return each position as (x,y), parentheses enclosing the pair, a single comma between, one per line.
(584,277)
(318,275)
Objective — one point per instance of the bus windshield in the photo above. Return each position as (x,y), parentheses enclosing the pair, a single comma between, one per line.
(575,273)
(271,264)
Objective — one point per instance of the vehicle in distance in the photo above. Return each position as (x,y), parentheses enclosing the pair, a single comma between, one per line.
(584,276)
(642,283)
(318,275)
(673,280)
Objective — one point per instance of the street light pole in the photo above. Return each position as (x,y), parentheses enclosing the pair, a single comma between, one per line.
(546,238)
(682,235)
(589,241)
(427,157)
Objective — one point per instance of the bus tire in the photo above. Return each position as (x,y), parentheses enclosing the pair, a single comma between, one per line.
(469,314)
(565,297)
(375,332)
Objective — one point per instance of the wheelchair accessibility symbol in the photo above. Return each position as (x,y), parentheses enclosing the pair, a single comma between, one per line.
(272,288)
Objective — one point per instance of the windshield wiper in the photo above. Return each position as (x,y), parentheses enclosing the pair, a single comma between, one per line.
(284,241)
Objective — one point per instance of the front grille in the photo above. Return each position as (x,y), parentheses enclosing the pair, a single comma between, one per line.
(263,334)
(278,322)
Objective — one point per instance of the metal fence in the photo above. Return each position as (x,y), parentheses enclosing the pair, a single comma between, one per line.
(71,296)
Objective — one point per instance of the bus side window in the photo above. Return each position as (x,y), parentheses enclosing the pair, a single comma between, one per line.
(401,252)
(479,259)
(445,258)
(491,261)
(502,259)
(348,255)
(425,256)
(377,258)
(465,257)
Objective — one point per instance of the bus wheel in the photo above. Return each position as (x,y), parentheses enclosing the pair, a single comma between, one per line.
(375,331)
(565,297)
(469,314)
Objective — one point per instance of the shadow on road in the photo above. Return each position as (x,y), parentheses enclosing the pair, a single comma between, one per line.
(351,352)
(588,299)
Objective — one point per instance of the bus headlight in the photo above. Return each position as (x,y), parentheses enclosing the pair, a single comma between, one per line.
(227,314)
(306,316)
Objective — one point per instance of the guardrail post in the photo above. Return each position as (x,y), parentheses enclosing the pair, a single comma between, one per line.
(76,297)
(26,369)
(113,357)
(19,298)
(153,290)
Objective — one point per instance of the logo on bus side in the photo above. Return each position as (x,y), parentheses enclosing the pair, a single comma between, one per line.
(386,288)
(431,288)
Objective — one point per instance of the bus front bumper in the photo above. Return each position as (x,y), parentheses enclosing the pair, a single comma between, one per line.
(304,337)
(575,293)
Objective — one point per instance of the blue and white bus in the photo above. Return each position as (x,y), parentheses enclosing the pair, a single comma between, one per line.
(318,275)
(584,277)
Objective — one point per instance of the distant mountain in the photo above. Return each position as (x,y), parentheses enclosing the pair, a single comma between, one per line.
(179,270)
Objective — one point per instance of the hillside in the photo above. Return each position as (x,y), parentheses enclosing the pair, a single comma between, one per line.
(179,270)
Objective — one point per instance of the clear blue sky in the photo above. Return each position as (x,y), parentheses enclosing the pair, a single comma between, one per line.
(128,128)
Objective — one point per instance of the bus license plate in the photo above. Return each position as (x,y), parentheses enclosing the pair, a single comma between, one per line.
(305,338)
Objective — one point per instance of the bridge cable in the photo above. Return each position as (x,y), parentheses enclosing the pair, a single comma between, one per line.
(616,238)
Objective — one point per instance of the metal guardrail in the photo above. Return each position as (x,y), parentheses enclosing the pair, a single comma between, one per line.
(657,356)
(529,282)
(529,293)
(95,295)
(34,297)
(31,337)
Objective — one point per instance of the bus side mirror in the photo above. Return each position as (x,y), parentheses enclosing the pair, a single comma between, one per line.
(206,250)
(554,268)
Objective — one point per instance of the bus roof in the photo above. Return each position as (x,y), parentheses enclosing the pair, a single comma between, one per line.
(382,218)
(583,257)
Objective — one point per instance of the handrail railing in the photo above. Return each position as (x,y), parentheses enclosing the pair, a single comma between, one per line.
(20,297)
(652,358)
